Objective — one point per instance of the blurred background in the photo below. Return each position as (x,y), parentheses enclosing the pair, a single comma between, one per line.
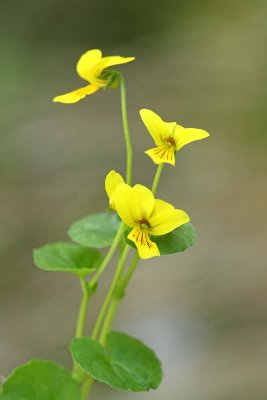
(200,63)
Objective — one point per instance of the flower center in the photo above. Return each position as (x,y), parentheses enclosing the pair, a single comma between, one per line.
(169,142)
(144,225)
(110,78)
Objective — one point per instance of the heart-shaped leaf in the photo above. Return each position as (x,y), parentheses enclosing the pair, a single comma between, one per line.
(40,380)
(125,363)
(67,257)
(174,242)
(95,230)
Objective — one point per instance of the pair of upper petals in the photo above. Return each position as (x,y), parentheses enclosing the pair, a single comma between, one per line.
(90,68)
(168,136)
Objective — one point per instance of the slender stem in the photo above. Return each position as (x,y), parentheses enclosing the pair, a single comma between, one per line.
(109,319)
(110,293)
(116,300)
(108,312)
(88,290)
(82,311)
(124,251)
(76,371)
(156,178)
(108,256)
(126,129)
(86,387)
(129,274)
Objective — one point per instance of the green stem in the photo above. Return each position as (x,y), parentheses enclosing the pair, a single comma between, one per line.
(88,290)
(76,371)
(83,310)
(87,385)
(116,300)
(86,388)
(108,257)
(156,178)
(124,251)
(126,129)
(109,319)
(129,274)
(110,293)
(108,312)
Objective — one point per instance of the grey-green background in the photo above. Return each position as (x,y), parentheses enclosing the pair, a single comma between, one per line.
(200,63)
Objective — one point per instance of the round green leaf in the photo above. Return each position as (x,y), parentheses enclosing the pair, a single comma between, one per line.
(67,257)
(174,242)
(40,380)
(95,230)
(125,363)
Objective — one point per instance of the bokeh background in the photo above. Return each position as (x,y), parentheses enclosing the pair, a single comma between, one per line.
(201,63)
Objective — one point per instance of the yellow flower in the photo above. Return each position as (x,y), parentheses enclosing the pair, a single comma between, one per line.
(147,216)
(168,136)
(92,68)
(112,181)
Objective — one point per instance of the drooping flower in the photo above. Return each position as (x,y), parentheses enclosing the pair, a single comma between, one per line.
(112,181)
(168,136)
(92,67)
(147,216)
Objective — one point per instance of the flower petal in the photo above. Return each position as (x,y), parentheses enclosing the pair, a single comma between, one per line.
(183,136)
(142,202)
(166,221)
(112,181)
(106,62)
(76,95)
(162,154)
(146,248)
(161,205)
(133,204)
(122,198)
(158,129)
(87,61)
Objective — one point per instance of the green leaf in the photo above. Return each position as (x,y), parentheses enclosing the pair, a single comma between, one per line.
(174,242)
(67,257)
(40,380)
(95,230)
(178,240)
(125,363)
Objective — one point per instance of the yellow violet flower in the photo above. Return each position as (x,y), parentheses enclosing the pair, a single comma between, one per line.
(112,181)
(168,136)
(92,68)
(147,216)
